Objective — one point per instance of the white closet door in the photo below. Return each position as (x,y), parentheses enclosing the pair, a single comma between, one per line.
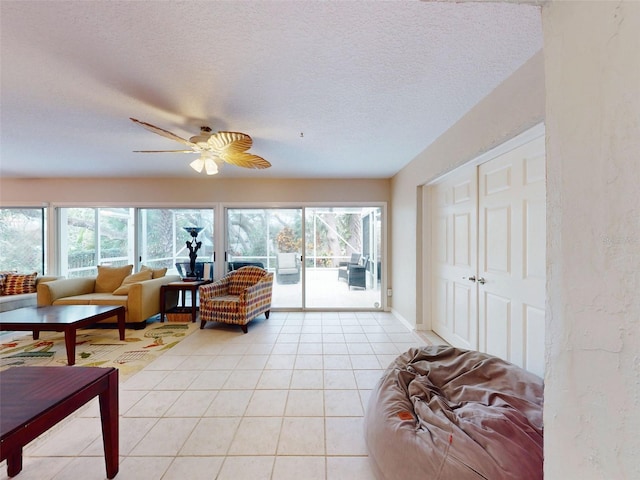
(454,258)
(511,258)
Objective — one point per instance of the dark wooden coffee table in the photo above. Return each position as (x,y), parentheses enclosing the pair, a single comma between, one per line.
(34,399)
(60,318)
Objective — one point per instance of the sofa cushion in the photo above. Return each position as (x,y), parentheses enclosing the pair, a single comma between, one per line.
(73,300)
(156,272)
(12,302)
(133,278)
(110,278)
(227,304)
(93,299)
(17,284)
(107,299)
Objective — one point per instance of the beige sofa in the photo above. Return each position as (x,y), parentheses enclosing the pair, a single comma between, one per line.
(141,301)
(21,300)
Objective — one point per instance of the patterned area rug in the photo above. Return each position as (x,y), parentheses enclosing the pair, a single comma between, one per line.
(96,347)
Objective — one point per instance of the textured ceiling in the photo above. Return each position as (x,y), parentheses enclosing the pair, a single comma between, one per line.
(326,89)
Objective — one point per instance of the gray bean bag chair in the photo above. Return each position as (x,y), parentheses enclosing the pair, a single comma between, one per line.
(442,413)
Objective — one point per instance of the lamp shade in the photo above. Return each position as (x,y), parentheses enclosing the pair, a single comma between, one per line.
(197,164)
(193,231)
(210,166)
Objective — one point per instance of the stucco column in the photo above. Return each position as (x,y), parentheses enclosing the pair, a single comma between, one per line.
(592,391)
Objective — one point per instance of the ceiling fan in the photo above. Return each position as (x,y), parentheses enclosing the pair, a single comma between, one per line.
(214,148)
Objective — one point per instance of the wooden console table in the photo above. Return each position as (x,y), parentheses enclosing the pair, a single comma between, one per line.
(34,399)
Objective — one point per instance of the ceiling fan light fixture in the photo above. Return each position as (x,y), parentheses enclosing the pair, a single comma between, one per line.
(214,148)
(197,164)
(210,166)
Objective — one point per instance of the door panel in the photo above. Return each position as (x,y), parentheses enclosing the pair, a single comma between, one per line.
(534,330)
(497,255)
(512,263)
(333,236)
(462,247)
(497,324)
(454,296)
(462,309)
(534,239)
(258,236)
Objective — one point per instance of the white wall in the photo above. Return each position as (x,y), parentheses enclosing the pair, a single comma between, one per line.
(592,394)
(180,191)
(591,69)
(514,106)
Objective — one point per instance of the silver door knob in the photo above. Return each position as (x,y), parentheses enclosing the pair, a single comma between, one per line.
(471,278)
(481,281)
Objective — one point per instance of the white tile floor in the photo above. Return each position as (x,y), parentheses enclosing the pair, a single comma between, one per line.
(284,401)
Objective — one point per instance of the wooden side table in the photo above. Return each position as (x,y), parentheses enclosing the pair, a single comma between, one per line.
(34,399)
(182,288)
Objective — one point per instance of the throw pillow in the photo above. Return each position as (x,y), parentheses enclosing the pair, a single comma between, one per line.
(157,272)
(110,278)
(3,278)
(133,278)
(16,284)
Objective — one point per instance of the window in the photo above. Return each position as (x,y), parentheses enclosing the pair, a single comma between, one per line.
(22,239)
(163,238)
(95,236)
(107,236)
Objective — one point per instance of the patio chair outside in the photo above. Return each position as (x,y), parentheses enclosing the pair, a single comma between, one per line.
(287,267)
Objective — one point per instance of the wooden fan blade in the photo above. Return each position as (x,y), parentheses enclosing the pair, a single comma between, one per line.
(161,131)
(230,141)
(164,151)
(245,160)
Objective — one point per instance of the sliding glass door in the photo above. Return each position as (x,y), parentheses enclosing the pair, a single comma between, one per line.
(343,257)
(272,239)
(337,266)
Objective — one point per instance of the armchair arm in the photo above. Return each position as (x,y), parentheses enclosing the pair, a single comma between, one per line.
(256,291)
(49,292)
(356,268)
(215,289)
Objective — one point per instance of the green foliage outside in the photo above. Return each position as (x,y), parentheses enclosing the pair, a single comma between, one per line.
(252,234)
(22,240)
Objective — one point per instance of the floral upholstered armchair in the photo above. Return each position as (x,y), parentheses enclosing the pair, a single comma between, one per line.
(237,298)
